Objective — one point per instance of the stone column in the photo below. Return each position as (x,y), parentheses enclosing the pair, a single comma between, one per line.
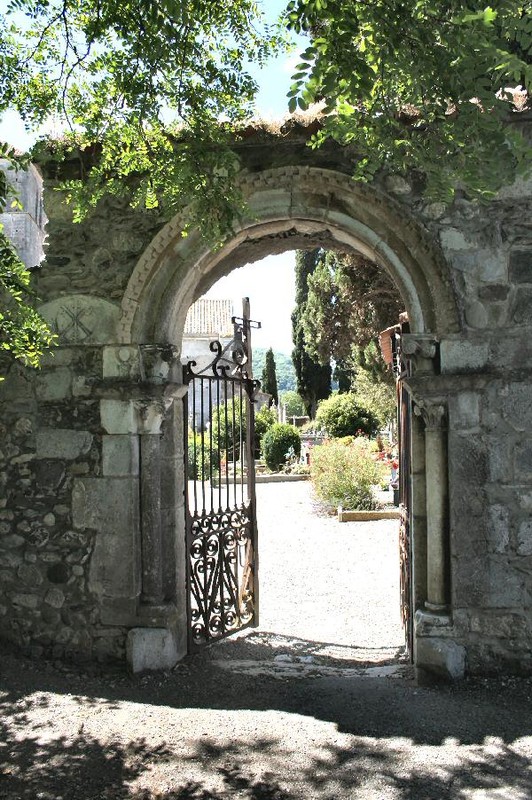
(150,516)
(419,513)
(435,417)
(141,386)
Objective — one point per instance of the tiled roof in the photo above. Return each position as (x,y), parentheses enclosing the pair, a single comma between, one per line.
(209,317)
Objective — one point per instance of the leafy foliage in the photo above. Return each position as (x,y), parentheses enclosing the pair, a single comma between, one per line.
(199,456)
(154,88)
(228,428)
(293,403)
(23,333)
(350,300)
(277,443)
(373,383)
(264,419)
(343,472)
(269,377)
(426,85)
(342,415)
(313,378)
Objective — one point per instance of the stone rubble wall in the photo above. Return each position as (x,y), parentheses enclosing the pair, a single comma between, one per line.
(48,445)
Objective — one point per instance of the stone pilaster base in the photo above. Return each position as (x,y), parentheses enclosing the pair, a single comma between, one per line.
(152,649)
(437,657)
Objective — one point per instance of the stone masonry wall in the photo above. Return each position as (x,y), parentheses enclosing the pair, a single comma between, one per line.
(48,443)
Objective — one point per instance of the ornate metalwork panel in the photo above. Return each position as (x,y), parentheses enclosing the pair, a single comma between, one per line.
(221,531)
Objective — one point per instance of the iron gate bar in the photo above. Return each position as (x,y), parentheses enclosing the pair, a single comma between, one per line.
(402,370)
(221,537)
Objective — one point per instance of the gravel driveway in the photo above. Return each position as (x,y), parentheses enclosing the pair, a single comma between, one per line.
(284,713)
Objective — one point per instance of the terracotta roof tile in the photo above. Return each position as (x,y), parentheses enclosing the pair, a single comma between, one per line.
(209,317)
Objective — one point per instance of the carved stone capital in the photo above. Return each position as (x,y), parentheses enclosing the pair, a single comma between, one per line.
(419,349)
(433,414)
(154,363)
(423,345)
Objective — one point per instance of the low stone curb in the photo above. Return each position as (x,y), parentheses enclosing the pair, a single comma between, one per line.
(296,669)
(365,516)
(278,478)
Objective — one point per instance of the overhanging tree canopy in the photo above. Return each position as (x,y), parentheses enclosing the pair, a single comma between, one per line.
(418,84)
(159,86)
(426,85)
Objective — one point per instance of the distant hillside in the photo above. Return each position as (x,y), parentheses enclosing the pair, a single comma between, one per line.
(286,375)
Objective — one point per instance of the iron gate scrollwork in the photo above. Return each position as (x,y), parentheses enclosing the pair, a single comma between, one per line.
(221,530)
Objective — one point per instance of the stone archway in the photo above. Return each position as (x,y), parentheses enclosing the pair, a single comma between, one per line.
(91,548)
(292,209)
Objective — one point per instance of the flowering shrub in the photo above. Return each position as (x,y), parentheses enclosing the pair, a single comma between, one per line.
(344,473)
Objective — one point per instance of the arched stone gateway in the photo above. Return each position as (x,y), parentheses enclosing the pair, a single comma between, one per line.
(92,518)
(290,208)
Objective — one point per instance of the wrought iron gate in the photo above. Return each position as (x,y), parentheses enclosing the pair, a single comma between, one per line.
(221,530)
(404,415)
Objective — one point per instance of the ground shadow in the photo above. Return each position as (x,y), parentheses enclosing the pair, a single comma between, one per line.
(85,768)
(362,707)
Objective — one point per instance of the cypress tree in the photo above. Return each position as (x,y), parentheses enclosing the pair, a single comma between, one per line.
(269,377)
(313,379)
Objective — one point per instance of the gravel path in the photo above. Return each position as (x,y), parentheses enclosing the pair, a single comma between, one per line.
(329,591)
(214,729)
(323,580)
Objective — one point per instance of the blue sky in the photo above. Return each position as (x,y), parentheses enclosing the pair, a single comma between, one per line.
(270,283)
(273,80)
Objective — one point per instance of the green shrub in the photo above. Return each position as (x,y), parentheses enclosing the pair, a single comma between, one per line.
(379,396)
(226,437)
(195,458)
(342,415)
(264,419)
(277,443)
(344,472)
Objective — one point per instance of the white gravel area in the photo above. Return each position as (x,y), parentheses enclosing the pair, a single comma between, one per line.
(325,581)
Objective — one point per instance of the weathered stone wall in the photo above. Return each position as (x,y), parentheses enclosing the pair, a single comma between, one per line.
(47,445)
(487,377)
(97,256)
(91,448)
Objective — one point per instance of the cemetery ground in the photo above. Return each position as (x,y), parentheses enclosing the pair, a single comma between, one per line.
(318,702)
